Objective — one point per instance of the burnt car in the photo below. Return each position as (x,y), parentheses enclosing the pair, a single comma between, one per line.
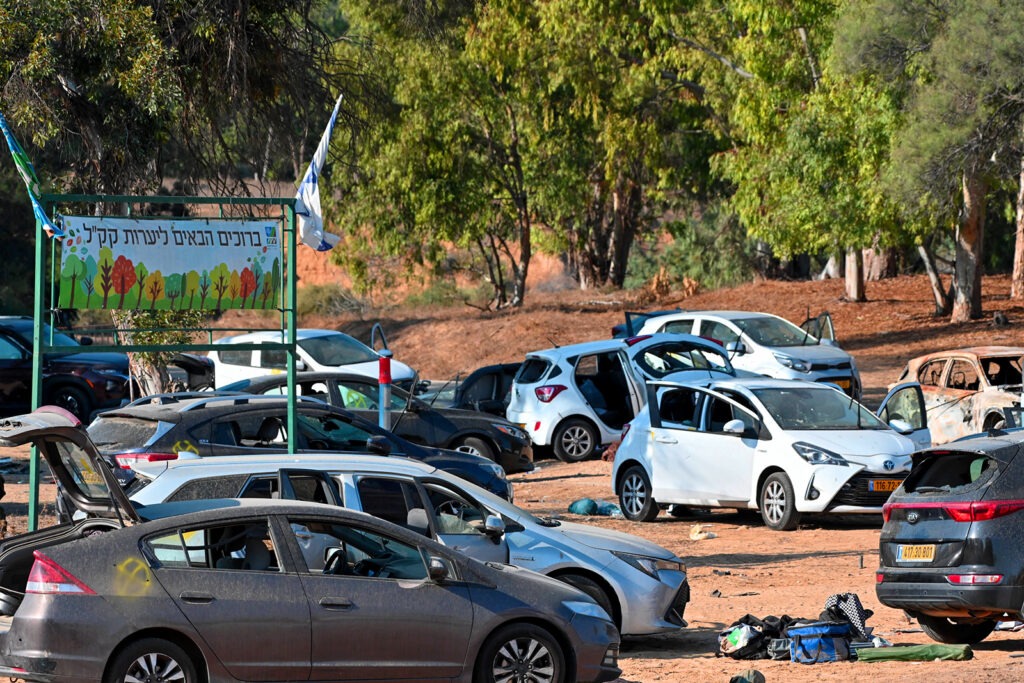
(81,383)
(201,591)
(967,390)
(412,419)
(203,424)
(950,552)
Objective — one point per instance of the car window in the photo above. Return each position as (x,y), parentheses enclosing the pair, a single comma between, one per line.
(307,487)
(327,432)
(661,359)
(247,547)
(930,373)
(1001,371)
(482,389)
(680,408)
(717,332)
(116,433)
(353,551)
(337,349)
(963,376)
(774,332)
(946,473)
(390,499)
(455,514)
(250,430)
(366,395)
(720,412)
(9,350)
(208,487)
(274,359)
(235,356)
(816,408)
(905,405)
(532,370)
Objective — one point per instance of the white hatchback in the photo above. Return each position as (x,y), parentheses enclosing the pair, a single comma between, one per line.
(784,447)
(578,397)
(316,350)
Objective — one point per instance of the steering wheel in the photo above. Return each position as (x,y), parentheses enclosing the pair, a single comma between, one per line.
(336,562)
(451,507)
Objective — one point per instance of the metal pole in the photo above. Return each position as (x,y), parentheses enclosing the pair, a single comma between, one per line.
(385,389)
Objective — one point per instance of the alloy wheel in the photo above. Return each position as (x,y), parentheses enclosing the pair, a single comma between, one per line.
(154,667)
(524,660)
(634,494)
(576,441)
(774,501)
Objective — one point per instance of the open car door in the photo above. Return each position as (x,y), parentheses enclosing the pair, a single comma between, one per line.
(821,326)
(904,405)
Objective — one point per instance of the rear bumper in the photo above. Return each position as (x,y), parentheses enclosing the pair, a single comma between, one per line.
(939,598)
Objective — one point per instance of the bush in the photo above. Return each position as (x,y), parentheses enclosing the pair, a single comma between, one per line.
(327,300)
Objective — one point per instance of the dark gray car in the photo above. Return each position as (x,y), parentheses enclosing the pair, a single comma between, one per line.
(231,590)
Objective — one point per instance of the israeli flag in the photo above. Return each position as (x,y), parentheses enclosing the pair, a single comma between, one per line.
(307,204)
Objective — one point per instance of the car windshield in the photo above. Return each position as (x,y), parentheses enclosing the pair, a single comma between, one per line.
(337,349)
(1002,371)
(816,408)
(768,331)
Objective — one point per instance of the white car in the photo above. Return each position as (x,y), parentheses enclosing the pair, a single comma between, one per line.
(643,586)
(578,397)
(785,447)
(767,345)
(316,350)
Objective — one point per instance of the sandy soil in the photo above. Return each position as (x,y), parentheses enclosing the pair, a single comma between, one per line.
(745,568)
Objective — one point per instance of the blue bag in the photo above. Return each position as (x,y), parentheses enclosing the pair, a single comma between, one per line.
(819,641)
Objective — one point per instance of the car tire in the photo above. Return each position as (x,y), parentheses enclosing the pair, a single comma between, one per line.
(778,504)
(636,500)
(520,646)
(476,446)
(950,632)
(594,590)
(154,660)
(574,440)
(71,399)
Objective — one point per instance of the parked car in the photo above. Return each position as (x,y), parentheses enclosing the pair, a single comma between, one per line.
(412,419)
(768,345)
(79,382)
(161,427)
(642,585)
(203,591)
(578,397)
(784,447)
(950,552)
(967,390)
(486,389)
(315,350)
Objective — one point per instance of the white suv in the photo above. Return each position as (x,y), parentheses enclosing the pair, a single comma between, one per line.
(766,344)
(316,350)
(578,397)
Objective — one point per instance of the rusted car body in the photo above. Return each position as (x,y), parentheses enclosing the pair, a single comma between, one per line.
(966,390)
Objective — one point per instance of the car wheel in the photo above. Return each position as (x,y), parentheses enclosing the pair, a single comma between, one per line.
(635,496)
(994,422)
(951,632)
(520,652)
(154,660)
(476,446)
(574,440)
(778,504)
(594,590)
(71,399)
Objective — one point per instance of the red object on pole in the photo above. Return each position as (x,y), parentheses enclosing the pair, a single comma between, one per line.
(385,369)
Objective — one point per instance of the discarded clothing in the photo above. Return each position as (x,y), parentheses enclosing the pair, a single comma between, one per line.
(591,507)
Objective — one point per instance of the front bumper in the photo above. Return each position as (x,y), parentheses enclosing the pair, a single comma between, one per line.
(597,652)
(657,606)
(514,460)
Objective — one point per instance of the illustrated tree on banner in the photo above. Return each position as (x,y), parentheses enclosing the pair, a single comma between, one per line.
(307,206)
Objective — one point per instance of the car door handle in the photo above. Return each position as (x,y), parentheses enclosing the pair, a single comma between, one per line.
(196,598)
(335,603)
(666,439)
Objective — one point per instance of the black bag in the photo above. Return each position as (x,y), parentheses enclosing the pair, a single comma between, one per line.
(778,648)
(748,637)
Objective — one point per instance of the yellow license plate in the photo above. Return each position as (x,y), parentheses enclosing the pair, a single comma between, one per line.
(842,383)
(883,484)
(915,553)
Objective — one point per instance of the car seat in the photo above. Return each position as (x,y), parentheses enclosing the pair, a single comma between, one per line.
(257,555)
(269,431)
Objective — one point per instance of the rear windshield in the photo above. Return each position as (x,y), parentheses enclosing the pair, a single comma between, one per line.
(948,472)
(532,370)
(337,349)
(119,434)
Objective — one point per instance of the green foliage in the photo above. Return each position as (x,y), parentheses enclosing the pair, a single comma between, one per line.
(327,300)
(444,292)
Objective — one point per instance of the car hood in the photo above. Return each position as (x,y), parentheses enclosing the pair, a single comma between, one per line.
(817,353)
(73,459)
(118,361)
(607,539)
(851,443)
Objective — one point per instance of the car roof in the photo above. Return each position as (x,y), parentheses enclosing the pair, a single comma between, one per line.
(578,349)
(1012,351)
(166,406)
(240,464)
(277,335)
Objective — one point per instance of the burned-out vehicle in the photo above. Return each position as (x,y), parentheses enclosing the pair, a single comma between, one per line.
(967,390)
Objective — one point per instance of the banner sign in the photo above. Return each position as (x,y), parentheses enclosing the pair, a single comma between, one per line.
(173,264)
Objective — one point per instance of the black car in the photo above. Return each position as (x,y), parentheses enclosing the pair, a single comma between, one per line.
(81,383)
(469,431)
(950,550)
(163,426)
(485,390)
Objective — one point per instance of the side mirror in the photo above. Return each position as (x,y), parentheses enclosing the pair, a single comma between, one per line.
(494,526)
(736,347)
(437,569)
(378,445)
(902,426)
(735,427)
(300,364)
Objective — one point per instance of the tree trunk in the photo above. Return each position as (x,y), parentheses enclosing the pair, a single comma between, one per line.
(1017,281)
(969,244)
(627,209)
(879,263)
(855,275)
(833,269)
(943,302)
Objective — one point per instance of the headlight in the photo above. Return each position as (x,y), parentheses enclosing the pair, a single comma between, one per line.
(586,609)
(512,430)
(111,372)
(818,456)
(495,469)
(650,565)
(793,363)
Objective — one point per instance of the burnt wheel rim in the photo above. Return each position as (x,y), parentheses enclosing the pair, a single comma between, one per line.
(154,667)
(523,660)
(774,501)
(576,442)
(634,494)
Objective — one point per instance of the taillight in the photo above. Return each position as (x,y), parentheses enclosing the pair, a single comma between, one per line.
(625,429)
(48,577)
(974,579)
(127,460)
(548,392)
(976,511)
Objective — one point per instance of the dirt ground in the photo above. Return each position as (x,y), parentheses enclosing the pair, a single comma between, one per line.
(744,568)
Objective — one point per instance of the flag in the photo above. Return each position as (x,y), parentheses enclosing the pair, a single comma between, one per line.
(307,206)
(28,174)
